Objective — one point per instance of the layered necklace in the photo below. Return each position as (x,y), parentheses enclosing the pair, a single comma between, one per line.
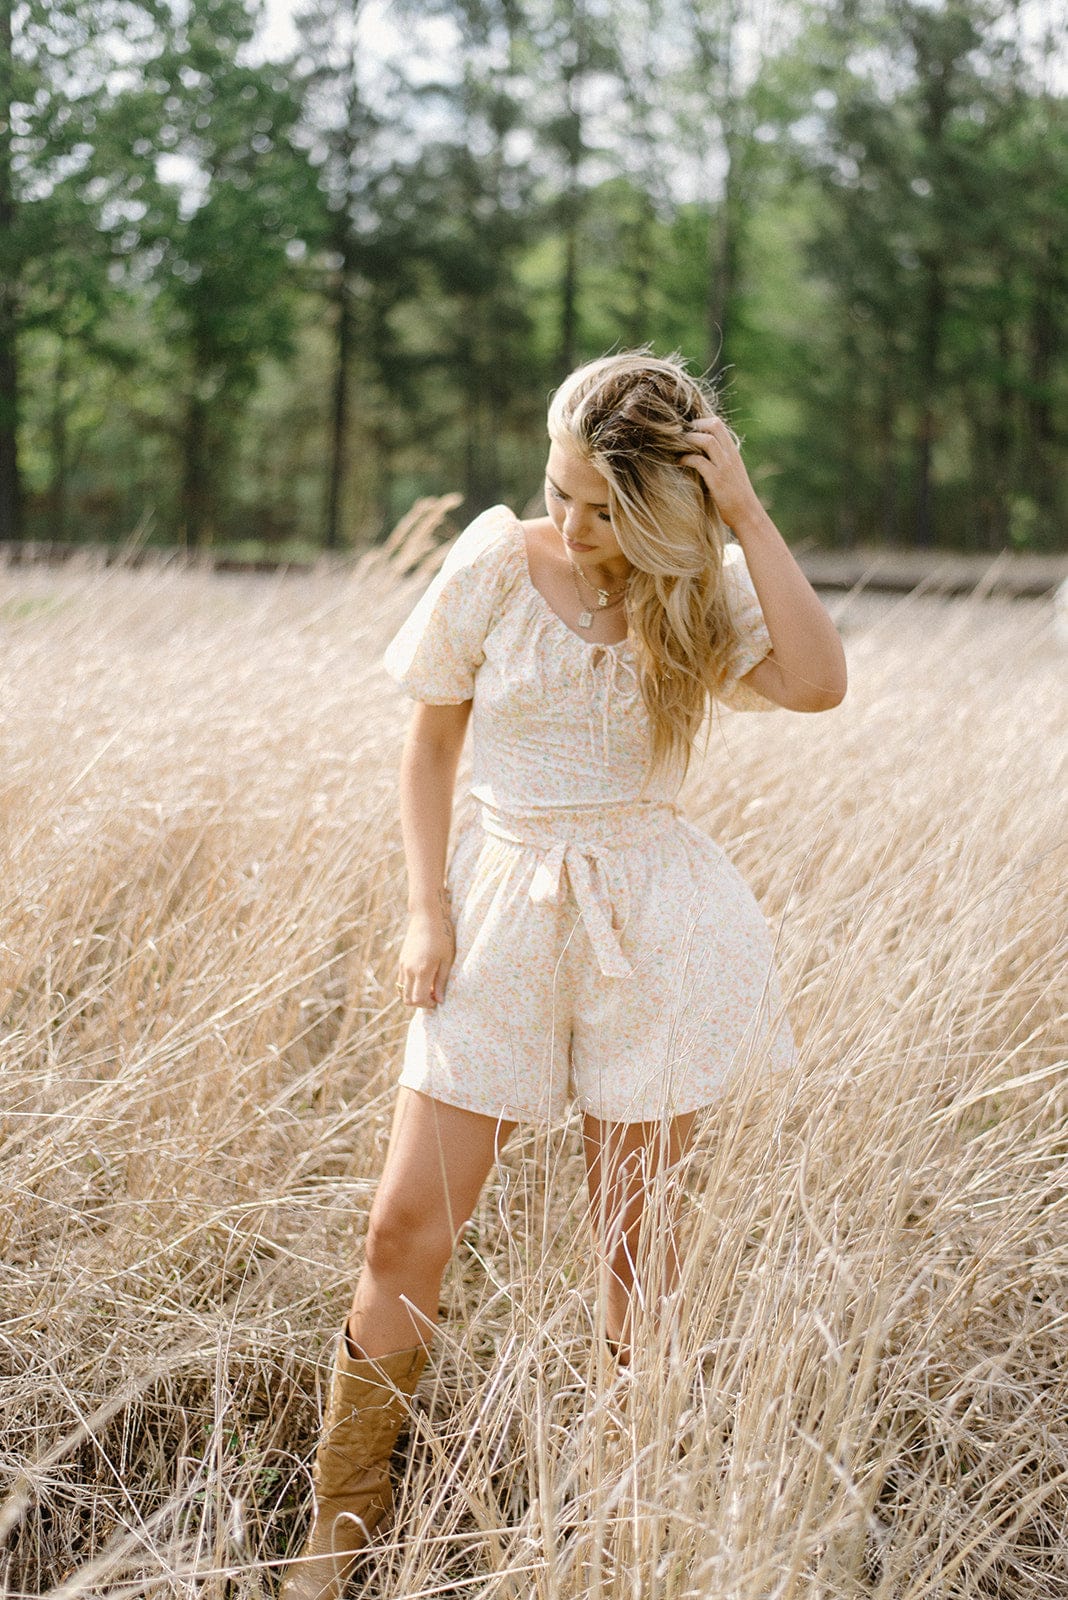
(607,599)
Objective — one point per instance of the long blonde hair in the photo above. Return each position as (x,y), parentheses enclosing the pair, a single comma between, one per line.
(626,415)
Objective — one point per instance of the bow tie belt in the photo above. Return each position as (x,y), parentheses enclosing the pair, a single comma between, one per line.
(584,850)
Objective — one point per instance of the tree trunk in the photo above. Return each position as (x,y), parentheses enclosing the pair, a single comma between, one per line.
(569,286)
(344,247)
(847,500)
(888,498)
(1044,340)
(995,452)
(715,41)
(571,211)
(642,93)
(11,523)
(934,305)
(480,454)
(723,274)
(640,271)
(339,416)
(471,430)
(195,487)
(382,492)
(57,488)
(936,63)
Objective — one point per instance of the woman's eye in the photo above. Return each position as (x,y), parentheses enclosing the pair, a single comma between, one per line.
(552,493)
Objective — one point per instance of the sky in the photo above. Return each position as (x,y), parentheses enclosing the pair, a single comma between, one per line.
(423,45)
(1035,16)
(278,36)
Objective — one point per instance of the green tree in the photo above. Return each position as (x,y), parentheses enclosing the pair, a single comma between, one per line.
(342,130)
(57,66)
(470,187)
(220,233)
(10,486)
(573,60)
(725,117)
(915,92)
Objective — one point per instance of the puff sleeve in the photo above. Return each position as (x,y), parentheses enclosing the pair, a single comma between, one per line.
(436,652)
(755,640)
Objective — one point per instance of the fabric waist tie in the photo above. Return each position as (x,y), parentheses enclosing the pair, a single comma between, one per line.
(582,845)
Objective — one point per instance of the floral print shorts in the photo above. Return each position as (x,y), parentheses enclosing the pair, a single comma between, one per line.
(611,956)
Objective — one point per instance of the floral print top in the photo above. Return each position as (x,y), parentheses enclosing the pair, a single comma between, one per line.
(557,719)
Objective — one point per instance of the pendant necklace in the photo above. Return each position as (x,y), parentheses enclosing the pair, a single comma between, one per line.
(607,599)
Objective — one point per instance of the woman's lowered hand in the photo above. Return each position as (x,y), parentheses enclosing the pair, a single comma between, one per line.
(426,956)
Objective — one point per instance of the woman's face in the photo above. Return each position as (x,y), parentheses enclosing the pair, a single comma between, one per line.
(576,496)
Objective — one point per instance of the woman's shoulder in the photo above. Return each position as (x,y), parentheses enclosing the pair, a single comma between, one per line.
(438,649)
(488,545)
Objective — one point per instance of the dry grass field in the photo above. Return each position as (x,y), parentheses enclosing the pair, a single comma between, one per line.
(862,1388)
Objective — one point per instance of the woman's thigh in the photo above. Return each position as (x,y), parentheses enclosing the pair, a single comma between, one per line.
(438,1159)
(622,1160)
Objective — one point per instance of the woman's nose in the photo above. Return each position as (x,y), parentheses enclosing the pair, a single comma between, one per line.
(573,523)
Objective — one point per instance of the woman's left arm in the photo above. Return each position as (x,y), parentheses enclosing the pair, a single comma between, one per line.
(805,670)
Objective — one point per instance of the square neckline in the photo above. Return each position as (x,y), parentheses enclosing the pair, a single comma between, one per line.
(589,644)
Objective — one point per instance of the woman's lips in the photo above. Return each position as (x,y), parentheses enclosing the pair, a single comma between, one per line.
(573,545)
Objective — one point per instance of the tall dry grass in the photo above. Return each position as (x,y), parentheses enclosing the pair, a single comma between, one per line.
(862,1388)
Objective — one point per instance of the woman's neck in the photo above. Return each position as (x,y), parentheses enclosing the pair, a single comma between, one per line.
(604,574)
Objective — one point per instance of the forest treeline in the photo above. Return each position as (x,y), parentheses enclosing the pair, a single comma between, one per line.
(276,300)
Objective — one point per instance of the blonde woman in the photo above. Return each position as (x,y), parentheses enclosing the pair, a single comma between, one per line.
(584,942)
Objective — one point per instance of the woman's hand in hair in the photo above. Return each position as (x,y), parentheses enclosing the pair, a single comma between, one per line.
(717,459)
(805,669)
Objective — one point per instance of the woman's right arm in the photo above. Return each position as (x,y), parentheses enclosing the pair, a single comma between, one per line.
(427,779)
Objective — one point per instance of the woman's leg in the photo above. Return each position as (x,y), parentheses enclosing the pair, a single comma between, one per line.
(622,1160)
(436,1165)
(439,1157)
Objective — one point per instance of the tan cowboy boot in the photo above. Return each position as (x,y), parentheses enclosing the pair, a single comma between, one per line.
(367,1406)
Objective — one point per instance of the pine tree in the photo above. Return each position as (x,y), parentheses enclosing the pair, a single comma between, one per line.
(215,240)
(57,70)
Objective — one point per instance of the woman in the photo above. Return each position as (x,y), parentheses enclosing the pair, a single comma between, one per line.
(586,942)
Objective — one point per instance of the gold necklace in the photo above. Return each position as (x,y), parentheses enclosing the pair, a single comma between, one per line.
(606,600)
(603,595)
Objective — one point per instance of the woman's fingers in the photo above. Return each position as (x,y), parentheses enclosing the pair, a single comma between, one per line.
(710,424)
(444,968)
(708,445)
(425,989)
(717,459)
(424,996)
(420,988)
(425,958)
(440,979)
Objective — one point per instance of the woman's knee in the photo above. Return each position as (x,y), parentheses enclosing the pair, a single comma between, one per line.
(403,1236)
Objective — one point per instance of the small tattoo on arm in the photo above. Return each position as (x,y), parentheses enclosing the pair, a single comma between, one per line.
(446,909)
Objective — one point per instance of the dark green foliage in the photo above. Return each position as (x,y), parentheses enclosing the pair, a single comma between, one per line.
(278,300)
